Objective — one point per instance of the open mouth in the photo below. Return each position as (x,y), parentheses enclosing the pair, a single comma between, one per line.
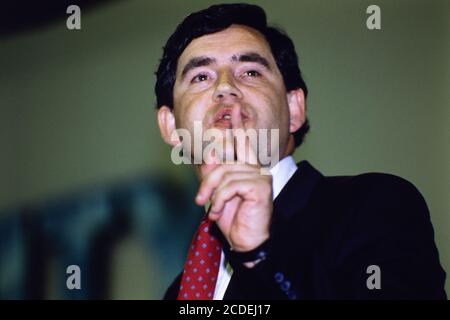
(223,118)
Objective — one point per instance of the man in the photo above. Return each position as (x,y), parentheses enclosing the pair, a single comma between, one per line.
(294,234)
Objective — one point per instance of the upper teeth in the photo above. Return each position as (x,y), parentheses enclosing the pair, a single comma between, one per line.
(227,117)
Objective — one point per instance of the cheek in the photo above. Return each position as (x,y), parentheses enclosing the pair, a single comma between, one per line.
(190,108)
(275,110)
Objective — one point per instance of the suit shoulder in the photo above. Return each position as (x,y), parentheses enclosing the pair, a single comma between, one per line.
(383,220)
(385,180)
(376,197)
(374,186)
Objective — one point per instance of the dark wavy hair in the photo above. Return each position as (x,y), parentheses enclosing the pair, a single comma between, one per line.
(217,18)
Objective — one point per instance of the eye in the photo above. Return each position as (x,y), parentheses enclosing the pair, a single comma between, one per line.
(252,73)
(199,78)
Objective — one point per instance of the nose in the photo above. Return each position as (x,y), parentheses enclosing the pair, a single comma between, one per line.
(226,89)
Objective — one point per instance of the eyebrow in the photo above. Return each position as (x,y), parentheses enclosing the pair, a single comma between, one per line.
(197,62)
(202,61)
(252,57)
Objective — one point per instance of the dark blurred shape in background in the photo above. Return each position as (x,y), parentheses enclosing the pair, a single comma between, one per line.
(84,229)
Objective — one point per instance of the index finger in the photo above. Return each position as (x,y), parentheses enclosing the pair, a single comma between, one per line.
(245,140)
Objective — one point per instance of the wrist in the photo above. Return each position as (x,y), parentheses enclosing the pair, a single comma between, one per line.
(252,257)
(252,264)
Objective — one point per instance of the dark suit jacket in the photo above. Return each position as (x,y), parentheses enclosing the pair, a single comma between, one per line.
(326,232)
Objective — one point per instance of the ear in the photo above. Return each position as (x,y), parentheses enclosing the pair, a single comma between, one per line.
(167,127)
(297,109)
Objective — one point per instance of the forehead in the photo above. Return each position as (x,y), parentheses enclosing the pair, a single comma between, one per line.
(226,43)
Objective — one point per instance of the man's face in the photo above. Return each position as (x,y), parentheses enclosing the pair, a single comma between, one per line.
(228,74)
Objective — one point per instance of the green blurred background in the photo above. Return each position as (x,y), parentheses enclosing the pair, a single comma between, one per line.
(77,107)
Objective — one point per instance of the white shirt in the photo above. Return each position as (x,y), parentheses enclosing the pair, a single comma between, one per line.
(281,173)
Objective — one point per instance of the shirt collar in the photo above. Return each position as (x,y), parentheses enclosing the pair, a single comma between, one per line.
(281,173)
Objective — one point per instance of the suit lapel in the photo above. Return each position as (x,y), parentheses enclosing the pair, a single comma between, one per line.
(296,194)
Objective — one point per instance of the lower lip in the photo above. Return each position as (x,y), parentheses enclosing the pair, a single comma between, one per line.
(223,123)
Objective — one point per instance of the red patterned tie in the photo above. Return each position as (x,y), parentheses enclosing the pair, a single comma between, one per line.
(202,265)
